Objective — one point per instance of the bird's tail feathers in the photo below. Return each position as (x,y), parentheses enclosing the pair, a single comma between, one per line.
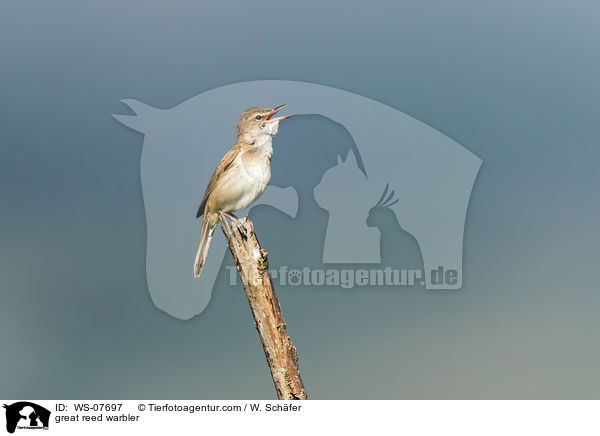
(208,228)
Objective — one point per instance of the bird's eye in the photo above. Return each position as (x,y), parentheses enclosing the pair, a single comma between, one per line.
(259,117)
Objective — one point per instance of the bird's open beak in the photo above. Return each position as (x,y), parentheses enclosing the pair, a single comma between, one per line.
(276,119)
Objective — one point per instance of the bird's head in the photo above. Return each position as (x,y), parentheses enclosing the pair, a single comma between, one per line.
(382,210)
(259,121)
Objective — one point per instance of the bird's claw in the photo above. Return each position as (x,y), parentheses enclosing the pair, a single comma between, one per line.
(241,228)
(238,224)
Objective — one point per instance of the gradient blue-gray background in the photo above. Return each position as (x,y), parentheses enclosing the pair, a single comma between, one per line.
(516,82)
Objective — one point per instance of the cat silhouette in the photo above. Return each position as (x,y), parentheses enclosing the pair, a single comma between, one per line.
(348,239)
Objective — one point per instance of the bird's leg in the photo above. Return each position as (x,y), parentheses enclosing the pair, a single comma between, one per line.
(229,215)
(235,220)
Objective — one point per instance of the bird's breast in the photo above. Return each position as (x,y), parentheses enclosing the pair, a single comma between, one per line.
(244,183)
(256,164)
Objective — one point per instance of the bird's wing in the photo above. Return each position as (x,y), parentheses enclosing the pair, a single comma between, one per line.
(221,170)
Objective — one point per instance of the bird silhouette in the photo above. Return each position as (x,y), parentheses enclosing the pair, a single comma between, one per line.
(398,248)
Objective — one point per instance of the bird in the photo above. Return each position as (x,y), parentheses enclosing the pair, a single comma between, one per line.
(241,176)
